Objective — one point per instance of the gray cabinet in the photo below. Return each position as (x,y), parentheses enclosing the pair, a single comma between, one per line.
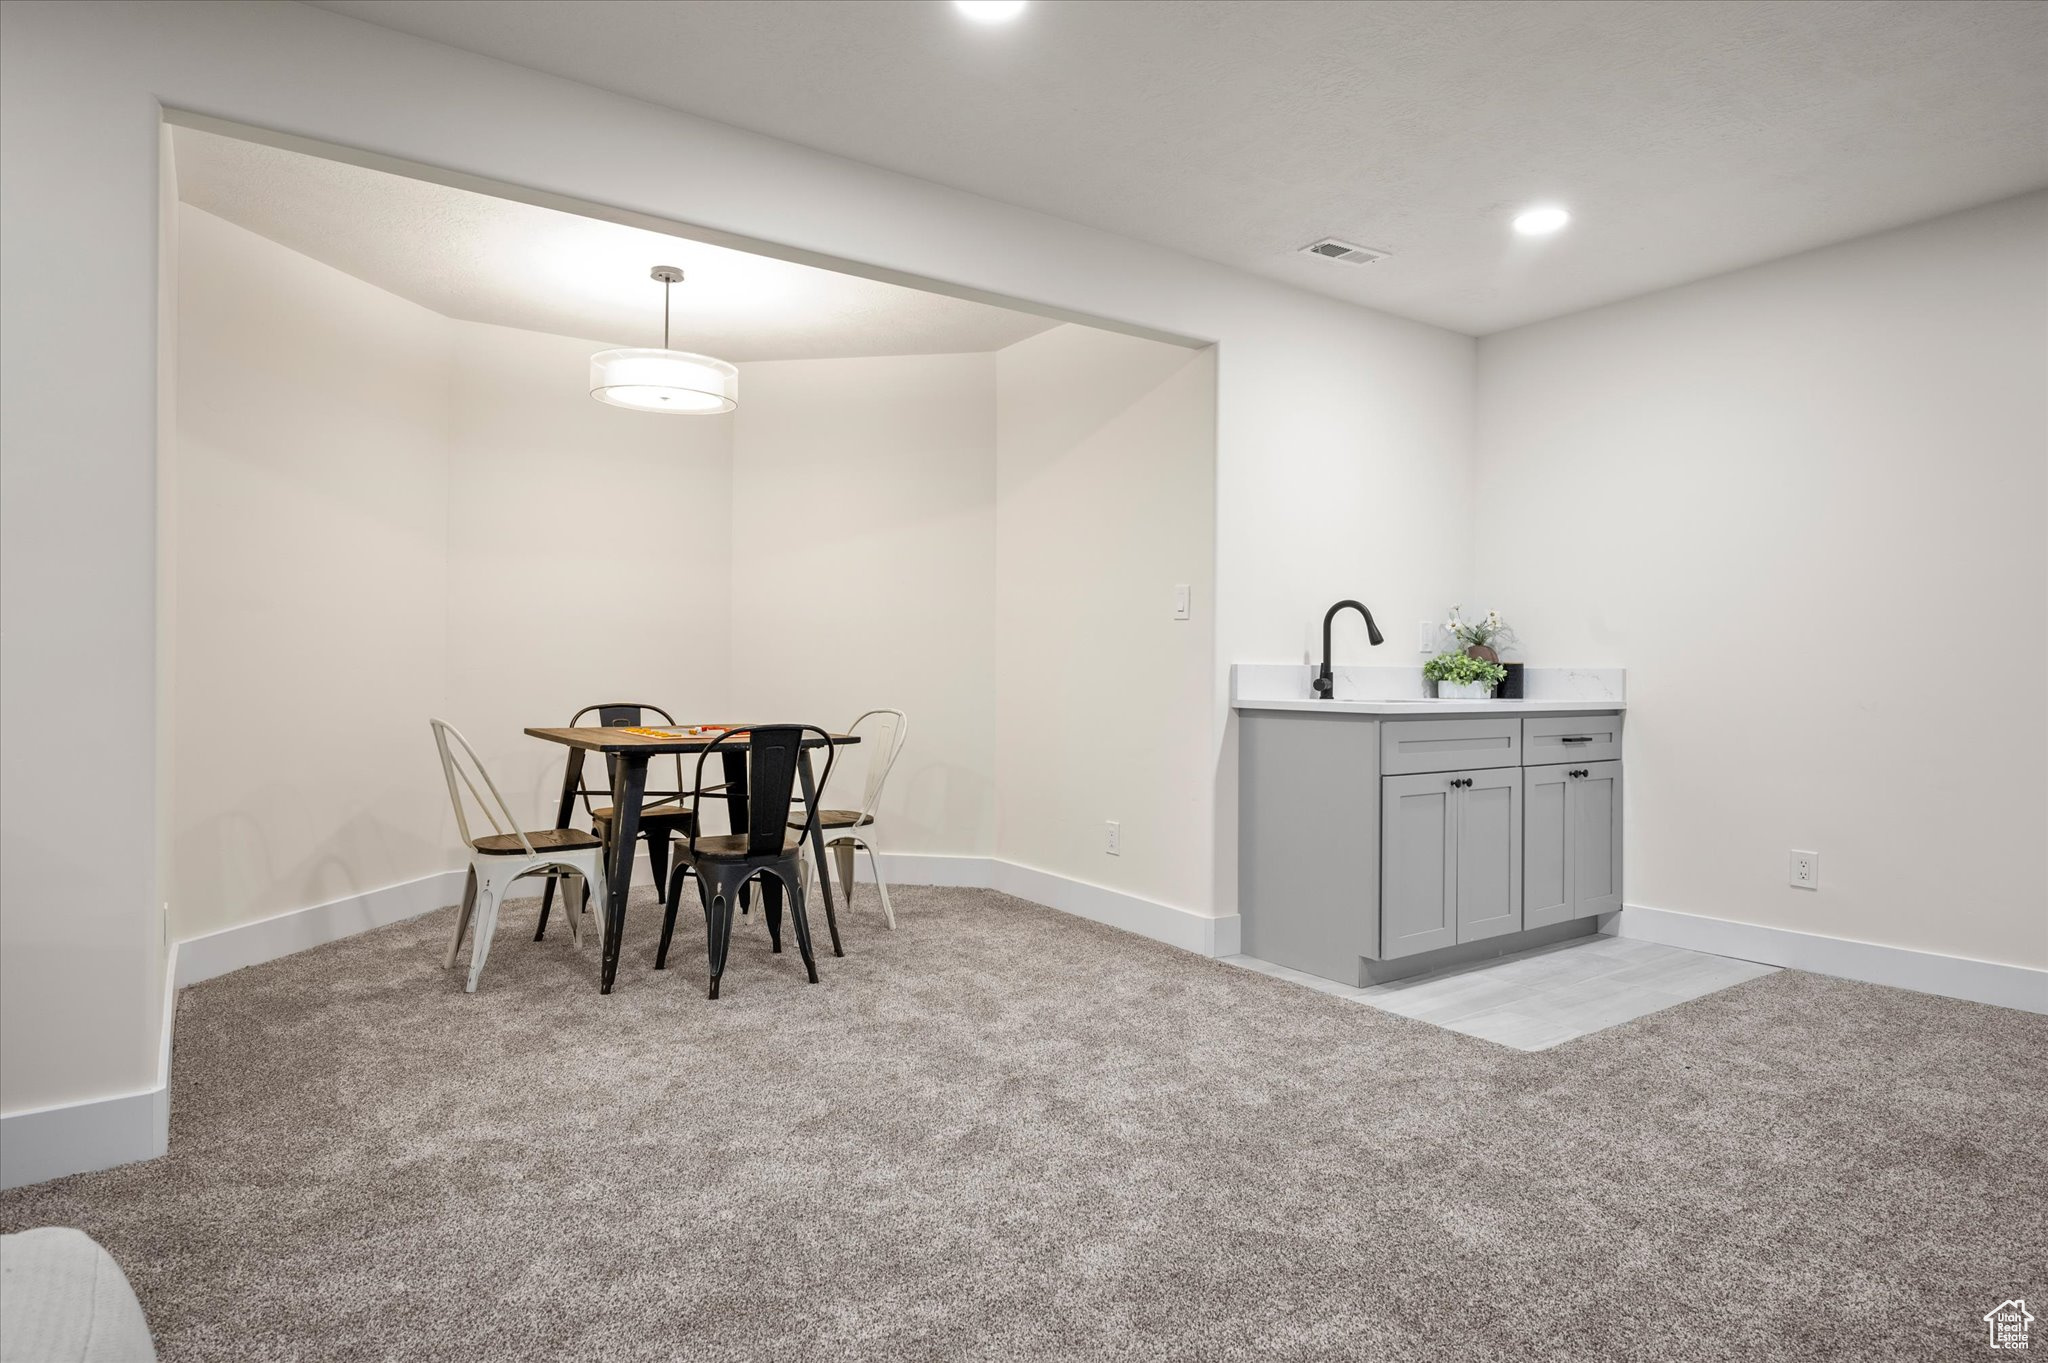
(1489,854)
(1450,859)
(1416,745)
(1596,839)
(1372,846)
(1572,867)
(1308,802)
(1418,864)
(1546,886)
(1570,738)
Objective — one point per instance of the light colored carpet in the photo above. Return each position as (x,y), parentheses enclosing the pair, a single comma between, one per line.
(1003,1133)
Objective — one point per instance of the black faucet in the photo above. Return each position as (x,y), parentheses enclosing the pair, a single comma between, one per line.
(1325,685)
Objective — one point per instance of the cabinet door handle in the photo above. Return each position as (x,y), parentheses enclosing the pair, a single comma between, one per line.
(1577,738)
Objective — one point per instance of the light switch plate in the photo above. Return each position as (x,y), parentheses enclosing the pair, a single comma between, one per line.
(1182,606)
(1425,636)
(1805,870)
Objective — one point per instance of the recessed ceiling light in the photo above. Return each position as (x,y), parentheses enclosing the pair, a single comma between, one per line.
(990,11)
(1540,222)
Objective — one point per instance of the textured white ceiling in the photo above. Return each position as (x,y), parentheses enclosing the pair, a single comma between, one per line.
(1688,136)
(485,259)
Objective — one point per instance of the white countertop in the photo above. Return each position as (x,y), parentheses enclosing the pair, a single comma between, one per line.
(1400,691)
(1411,708)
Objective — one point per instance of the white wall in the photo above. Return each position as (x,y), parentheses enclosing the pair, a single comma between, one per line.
(311,578)
(1802,504)
(864,572)
(386,515)
(589,557)
(1105,502)
(392,515)
(1308,389)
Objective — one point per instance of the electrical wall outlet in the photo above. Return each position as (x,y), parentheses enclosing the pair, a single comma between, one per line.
(1113,838)
(1805,870)
(1182,609)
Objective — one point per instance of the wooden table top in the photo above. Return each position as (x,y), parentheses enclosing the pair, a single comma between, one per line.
(593,739)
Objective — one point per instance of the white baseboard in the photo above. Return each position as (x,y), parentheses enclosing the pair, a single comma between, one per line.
(266,939)
(1199,933)
(99,1133)
(1955,977)
(76,1138)
(929,868)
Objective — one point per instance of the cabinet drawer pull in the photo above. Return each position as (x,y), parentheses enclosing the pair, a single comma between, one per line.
(1577,738)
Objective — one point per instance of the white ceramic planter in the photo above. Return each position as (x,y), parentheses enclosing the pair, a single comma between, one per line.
(1469,691)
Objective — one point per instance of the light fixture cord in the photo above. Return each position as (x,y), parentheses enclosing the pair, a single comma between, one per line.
(666,285)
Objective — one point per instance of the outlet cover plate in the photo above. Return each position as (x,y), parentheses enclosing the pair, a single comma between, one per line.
(1805,872)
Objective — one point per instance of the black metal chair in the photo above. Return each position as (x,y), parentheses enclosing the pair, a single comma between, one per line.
(723,865)
(665,814)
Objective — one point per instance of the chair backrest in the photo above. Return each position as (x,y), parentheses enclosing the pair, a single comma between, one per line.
(773,752)
(458,759)
(881,734)
(620,714)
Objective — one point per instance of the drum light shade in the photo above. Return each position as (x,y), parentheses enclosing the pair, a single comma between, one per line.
(664,381)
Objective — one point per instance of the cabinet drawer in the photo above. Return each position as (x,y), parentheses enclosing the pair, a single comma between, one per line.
(1570,738)
(1416,745)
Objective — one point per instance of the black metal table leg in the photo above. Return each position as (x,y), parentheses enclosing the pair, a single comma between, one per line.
(803,769)
(572,769)
(627,789)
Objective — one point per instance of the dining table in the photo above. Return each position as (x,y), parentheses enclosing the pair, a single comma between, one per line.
(627,752)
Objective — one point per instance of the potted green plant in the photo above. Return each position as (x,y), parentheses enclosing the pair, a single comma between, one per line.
(1460,676)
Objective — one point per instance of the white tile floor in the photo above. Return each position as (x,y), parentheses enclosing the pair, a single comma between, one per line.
(1545,997)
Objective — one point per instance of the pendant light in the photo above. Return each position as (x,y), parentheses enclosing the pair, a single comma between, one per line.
(664,380)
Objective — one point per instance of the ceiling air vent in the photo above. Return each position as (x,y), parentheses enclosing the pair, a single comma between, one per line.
(1329,248)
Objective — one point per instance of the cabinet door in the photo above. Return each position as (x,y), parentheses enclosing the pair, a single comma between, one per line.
(1489,860)
(1546,845)
(1418,864)
(1595,860)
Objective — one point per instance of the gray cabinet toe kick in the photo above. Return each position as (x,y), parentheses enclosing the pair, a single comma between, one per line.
(1370,847)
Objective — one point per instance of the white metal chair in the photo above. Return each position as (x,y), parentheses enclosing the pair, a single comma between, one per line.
(881,734)
(507,854)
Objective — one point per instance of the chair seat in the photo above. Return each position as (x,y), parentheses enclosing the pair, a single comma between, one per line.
(671,812)
(548,840)
(837,818)
(733,847)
